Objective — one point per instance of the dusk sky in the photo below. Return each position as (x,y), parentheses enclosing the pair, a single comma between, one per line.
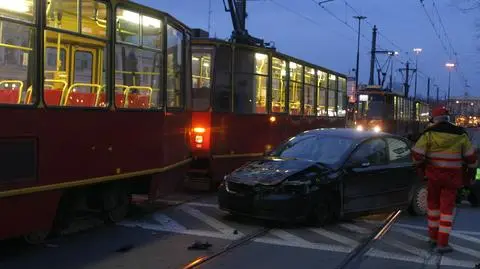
(304,30)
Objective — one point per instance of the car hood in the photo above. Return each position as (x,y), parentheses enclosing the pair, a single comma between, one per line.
(269,171)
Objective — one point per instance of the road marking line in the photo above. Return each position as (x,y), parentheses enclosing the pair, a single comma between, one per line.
(456,247)
(296,243)
(334,236)
(286,236)
(457,263)
(167,222)
(376,253)
(307,245)
(159,228)
(406,247)
(423,228)
(212,222)
(355,228)
(466,237)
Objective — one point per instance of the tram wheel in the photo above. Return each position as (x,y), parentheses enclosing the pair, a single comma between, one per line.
(418,205)
(116,202)
(36,238)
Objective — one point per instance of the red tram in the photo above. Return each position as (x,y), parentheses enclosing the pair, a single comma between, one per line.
(92,102)
(247,99)
(385,111)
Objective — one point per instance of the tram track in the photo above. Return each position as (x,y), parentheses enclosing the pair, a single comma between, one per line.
(353,259)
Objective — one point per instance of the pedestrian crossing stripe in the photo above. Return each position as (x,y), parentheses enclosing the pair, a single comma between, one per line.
(280,237)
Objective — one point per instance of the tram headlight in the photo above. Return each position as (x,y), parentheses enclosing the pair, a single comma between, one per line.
(377,129)
(359,128)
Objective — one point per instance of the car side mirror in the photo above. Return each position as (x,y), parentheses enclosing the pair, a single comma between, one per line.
(360,163)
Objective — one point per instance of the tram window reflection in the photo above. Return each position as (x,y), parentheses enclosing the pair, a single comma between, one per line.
(174,67)
(309,98)
(279,82)
(23,10)
(94,18)
(322,93)
(251,78)
(62,14)
(342,97)
(296,88)
(201,78)
(16,63)
(332,95)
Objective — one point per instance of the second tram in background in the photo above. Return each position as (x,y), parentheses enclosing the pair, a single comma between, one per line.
(248,99)
(380,110)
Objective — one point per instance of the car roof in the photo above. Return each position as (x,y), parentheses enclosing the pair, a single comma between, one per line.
(347,133)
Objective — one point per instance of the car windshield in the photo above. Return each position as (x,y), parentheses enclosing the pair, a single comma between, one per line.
(321,149)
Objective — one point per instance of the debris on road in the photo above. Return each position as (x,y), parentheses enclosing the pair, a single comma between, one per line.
(199,246)
(125,248)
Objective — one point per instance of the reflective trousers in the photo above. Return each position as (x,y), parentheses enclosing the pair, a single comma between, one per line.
(442,192)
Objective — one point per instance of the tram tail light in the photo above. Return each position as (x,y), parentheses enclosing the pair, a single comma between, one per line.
(198,134)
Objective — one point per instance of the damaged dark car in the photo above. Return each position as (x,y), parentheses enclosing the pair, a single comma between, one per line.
(326,174)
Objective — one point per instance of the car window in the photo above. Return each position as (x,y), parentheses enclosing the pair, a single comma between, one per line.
(398,151)
(323,149)
(373,151)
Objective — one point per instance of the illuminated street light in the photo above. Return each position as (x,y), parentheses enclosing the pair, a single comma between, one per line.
(450,66)
(417,52)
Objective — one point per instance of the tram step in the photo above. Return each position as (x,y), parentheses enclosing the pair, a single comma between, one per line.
(198,171)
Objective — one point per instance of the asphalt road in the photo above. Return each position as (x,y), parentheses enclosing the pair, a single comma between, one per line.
(161,240)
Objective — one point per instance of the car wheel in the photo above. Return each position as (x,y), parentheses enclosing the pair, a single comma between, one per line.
(321,213)
(418,205)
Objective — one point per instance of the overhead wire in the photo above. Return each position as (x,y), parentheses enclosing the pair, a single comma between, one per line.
(447,51)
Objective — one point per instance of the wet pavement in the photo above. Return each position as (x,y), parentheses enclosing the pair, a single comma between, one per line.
(161,240)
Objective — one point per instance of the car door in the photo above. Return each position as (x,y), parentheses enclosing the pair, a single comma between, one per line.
(367,172)
(401,173)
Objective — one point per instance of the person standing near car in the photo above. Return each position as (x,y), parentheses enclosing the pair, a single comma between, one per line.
(441,154)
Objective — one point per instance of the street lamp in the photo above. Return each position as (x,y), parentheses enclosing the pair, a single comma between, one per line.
(417,52)
(450,66)
(359,18)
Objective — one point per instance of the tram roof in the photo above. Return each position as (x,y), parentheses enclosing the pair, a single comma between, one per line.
(216,41)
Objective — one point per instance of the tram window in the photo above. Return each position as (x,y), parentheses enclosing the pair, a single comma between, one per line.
(251,78)
(309,99)
(83,67)
(279,81)
(19,10)
(138,78)
(94,18)
(174,67)
(201,78)
(16,58)
(223,79)
(62,14)
(51,62)
(342,97)
(85,88)
(296,89)
(322,93)
(152,32)
(128,26)
(332,92)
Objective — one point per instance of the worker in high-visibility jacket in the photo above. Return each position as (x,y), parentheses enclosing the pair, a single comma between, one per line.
(441,153)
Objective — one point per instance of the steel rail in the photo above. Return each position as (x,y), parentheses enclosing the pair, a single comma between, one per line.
(355,258)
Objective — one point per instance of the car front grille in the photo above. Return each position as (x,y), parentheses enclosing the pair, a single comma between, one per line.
(239,187)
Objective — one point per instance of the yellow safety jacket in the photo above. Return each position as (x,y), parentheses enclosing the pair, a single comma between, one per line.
(444,145)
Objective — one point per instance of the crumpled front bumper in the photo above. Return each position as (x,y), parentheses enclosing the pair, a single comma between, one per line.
(279,207)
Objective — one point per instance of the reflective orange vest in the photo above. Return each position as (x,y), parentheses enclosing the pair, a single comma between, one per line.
(444,145)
